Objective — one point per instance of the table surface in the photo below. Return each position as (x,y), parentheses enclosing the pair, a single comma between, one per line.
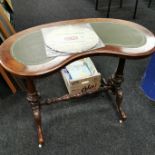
(24,53)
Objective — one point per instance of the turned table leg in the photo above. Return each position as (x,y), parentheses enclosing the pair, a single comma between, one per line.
(119,99)
(118,79)
(115,83)
(33,99)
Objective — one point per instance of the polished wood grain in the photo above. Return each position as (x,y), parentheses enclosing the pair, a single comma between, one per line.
(15,67)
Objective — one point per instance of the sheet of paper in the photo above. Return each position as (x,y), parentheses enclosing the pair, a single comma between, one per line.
(70,39)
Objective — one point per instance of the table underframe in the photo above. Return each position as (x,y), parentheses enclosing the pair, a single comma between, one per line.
(113,84)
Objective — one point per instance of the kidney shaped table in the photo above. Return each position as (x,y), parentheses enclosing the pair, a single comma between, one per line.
(24,55)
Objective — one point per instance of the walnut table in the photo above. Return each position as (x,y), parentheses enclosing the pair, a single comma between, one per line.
(23,55)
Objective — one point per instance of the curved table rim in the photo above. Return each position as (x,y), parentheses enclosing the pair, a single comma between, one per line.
(17,68)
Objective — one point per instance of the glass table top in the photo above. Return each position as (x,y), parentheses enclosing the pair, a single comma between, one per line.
(30,48)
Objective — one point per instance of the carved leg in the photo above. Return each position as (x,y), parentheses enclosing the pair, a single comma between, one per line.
(33,99)
(119,99)
(115,83)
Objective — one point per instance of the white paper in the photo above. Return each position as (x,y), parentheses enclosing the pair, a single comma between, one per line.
(70,39)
